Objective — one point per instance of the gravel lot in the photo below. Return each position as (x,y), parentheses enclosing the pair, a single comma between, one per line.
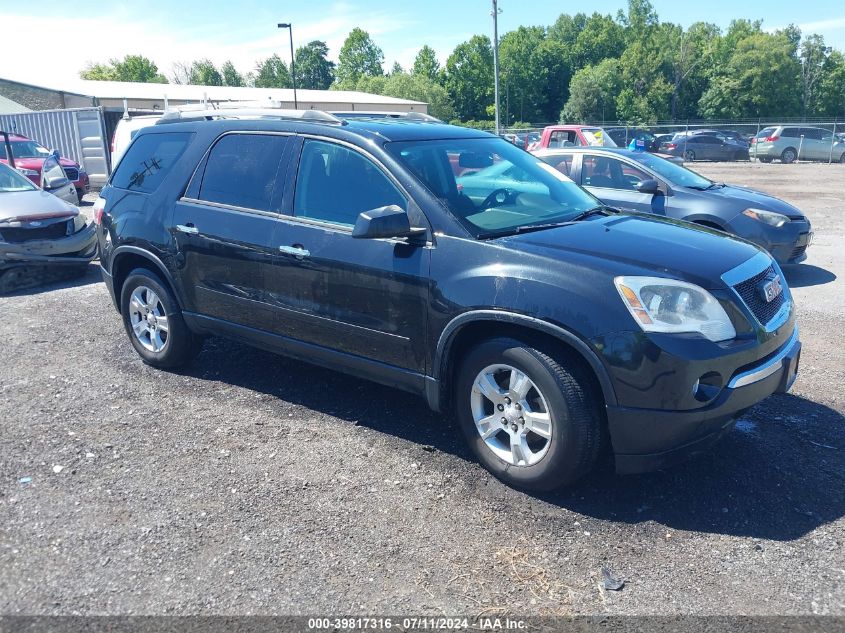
(251,484)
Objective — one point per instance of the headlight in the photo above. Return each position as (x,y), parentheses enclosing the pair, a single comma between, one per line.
(666,305)
(27,172)
(766,217)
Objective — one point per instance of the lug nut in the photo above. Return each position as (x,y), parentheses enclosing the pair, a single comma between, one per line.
(504,421)
(518,406)
(514,427)
(507,400)
(500,407)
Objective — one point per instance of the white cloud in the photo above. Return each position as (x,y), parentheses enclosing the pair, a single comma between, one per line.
(833,24)
(121,32)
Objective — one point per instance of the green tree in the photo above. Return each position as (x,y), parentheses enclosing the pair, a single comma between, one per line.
(272,73)
(396,69)
(414,87)
(313,68)
(813,57)
(691,55)
(761,79)
(203,73)
(426,64)
(592,93)
(359,56)
(830,96)
(523,78)
(231,76)
(645,93)
(131,68)
(469,77)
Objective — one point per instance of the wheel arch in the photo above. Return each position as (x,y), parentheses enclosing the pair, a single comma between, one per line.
(470,327)
(127,258)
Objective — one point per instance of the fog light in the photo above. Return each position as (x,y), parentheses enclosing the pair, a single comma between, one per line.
(707,387)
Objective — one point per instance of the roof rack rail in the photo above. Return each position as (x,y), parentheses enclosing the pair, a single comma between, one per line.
(377,114)
(187,113)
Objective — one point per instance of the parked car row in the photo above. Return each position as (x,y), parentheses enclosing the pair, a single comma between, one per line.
(789,143)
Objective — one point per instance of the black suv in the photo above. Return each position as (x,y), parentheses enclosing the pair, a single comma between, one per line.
(552,326)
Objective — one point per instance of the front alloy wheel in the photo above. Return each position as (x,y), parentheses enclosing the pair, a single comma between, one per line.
(511,415)
(531,414)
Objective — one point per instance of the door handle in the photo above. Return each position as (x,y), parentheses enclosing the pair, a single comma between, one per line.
(296,251)
(190,229)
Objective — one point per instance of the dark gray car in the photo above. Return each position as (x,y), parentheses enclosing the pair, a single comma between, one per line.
(705,147)
(639,181)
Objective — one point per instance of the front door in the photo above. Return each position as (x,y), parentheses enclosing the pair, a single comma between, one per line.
(224,225)
(613,182)
(366,297)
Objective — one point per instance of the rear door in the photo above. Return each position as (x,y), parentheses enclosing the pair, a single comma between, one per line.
(813,148)
(365,297)
(224,226)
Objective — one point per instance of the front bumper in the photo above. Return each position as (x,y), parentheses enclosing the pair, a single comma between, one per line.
(76,249)
(787,244)
(650,439)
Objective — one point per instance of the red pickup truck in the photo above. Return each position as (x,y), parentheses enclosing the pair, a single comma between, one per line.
(572,136)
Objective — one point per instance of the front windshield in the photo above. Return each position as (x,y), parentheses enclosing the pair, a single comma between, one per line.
(674,173)
(492,187)
(597,137)
(28,149)
(11,181)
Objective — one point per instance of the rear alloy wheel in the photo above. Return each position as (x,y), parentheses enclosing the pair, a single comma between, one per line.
(842,158)
(689,155)
(532,419)
(154,323)
(788,156)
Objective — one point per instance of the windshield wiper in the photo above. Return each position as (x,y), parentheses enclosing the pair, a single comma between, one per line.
(530,228)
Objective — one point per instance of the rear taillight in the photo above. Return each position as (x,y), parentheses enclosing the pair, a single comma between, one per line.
(771,139)
(99,209)
(671,146)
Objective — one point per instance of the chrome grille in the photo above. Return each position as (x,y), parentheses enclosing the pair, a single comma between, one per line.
(763,310)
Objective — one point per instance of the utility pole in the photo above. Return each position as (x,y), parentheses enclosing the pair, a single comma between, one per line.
(289,27)
(495,13)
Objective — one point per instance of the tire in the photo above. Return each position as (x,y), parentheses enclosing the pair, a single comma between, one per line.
(842,158)
(689,155)
(569,435)
(788,155)
(143,293)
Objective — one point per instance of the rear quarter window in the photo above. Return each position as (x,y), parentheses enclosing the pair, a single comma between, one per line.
(149,159)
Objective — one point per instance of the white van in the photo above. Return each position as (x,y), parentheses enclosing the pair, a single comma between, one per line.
(125,131)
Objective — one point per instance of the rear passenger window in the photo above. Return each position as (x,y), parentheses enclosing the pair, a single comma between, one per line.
(813,133)
(335,184)
(241,171)
(790,132)
(148,160)
(563,163)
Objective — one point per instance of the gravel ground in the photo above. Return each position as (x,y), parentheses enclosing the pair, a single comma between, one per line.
(251,484)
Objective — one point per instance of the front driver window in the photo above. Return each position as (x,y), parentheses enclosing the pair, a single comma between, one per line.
(335,184)
(610,173)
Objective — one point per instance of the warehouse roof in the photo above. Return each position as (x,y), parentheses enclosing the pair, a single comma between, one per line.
(177,92)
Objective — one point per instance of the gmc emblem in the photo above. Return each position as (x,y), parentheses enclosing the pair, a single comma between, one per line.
(770,289)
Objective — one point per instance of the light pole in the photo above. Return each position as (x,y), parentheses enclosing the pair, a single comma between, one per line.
(289,27)
(495,13)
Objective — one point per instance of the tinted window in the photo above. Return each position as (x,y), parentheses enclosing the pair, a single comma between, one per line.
(769,131)
(813,133)
(562,139)
(709,140)
(148,160)
(241,171)
(790,132)
(335,184)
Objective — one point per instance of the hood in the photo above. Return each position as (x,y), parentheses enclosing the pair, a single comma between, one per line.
(633,244)
(755,199)
(15,204)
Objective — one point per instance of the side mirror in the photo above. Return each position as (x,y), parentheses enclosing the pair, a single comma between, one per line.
(647,186)
(389,221)
(55,153)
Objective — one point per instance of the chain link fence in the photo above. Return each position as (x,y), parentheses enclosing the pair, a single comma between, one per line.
(833,132)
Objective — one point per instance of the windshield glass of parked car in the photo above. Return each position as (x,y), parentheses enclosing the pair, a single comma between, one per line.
(28,149)
(492,187)
(597,137)
(674,173)
(11,180)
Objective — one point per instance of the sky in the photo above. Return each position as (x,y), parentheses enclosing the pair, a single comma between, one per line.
(49,42)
